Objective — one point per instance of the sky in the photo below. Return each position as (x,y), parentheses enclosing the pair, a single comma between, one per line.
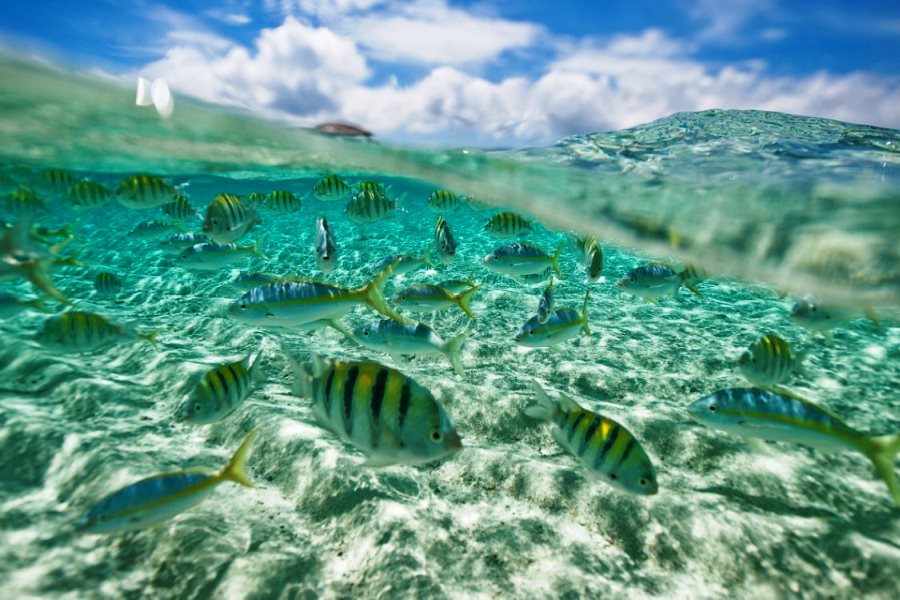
(491,73)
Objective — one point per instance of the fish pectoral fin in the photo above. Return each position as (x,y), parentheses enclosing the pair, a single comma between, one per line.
(376,462)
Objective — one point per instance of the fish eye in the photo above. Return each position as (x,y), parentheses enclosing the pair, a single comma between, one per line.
(197,408)
(631,279)
(243,306)
(613,476)
(215,222)
(365,332)
(531,332)
(713,408)
(642,482)
(436,436)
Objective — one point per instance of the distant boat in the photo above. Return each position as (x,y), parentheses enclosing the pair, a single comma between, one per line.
(335,128)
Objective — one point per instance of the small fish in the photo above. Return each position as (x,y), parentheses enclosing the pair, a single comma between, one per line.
(283,201)
(210,256)
(602,445)
(424,297)
(11,305)
(107,284)
(653,281)
(326,250)
(393,337)
(590,254)
(521,258)
(562,325)
(444,242)
(180,209)
(821,317)
(385,414)
(80,331)
(145,191)
(781,417)
(404,263)
(508,224)
(54,181)
(220,391)
(257,199)
(441,201)
(545,305)
(331,187)
(161,497)
(151,230)
(24,203)
(228,219)
(768,362)
(179,242)
(85,195)
(455,286)
(370,204)
(295,304)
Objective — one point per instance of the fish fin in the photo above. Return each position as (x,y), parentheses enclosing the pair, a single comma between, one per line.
(568,404)
(882,452)
(462,300)
(546,408)
(339,327)
(426,258)
(651,301)
(452,348)
(150,337)
(234,470)
(70,261)
(254,249)
(254,367)
(470,281)
(38,305)
(375,462)
(554,260)
(584,312)
(373,293)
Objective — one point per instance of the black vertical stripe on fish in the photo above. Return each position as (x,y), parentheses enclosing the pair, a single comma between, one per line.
(628,448)
(378,396)
(610,440)
(349,385)
(595,423)
(405,393)
(237,381)
(578,419)
(328,383)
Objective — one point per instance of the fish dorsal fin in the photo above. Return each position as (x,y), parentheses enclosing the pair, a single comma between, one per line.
(568,404)
(319,365)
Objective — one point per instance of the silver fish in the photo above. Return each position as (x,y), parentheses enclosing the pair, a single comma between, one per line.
(326,249)
(443,241)
(393,337)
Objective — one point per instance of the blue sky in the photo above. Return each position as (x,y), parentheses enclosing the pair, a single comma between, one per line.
(501,72)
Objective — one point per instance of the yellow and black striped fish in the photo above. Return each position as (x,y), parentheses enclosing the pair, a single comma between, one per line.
(180,209)
(256,199)
(144,191)
(228,219)
(508,224)
(221,391)
(84,195)
(331,187)
(602,445)
(443,201)
(283,201)
(768,362)
(80,331)
(55,181)
(380,411)
(370,204)
(24,203)
(107,284)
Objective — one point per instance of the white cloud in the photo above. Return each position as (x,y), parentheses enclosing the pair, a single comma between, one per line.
(723,21)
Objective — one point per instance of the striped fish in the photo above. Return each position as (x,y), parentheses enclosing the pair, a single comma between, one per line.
(331,187)
(144,191)
(161,497)
(782,417)
(151,230)
(404,263)
(180,242)
(107,284)
(508,224)
(228,219)
(590,254)
(370,204)
(80,331)
(326,249)
(382,412)
(54,181)
(444,242)
(456,286)
(602,445)
(180,209)
(283,201)
(220,391)
(298,303)
(545,305)
(211,256)
(257,199)
(443,201)
(653,281)
(24,203)
(768,362)
(85,195)
(520,259)
(562,325)
(424,297)
(393,337)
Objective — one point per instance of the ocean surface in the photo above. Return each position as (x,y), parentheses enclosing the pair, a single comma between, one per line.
(769,206)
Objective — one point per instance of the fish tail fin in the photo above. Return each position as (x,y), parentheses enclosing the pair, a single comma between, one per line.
(70,261)
(339,327)
(234,470)
(690,278)
(883,453)
(426,258)
(373,293)
(584,312)
(470,281)
(150,336)
(255,248)
(554,260)
(452,348)
(36,273)
(462,300)
(546,408)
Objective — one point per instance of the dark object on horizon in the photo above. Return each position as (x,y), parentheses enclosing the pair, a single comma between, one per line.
(336,128)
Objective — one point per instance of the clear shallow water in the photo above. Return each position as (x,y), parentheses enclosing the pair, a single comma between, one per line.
(511,515)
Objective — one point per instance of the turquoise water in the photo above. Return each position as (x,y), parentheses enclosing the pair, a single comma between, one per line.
(765,203)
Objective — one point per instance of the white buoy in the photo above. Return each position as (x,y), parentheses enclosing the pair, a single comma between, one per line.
(143,93)
(162,98)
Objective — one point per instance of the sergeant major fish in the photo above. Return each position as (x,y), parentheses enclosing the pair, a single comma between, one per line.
(780,417)
(508,224)
(107,284)
(228,219)
(180,209)
(393,337)
(80,331)
(562,325)
(520,259)
(385,414)
(85,195)
(602,445)
(331,187)
(151,230)
(144,191)
(161,497)
(442,201)
(283,201)
(326,249)
(443,240)
(220,391)
(424,297)
(370,204)
(590,254)
(768,362)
